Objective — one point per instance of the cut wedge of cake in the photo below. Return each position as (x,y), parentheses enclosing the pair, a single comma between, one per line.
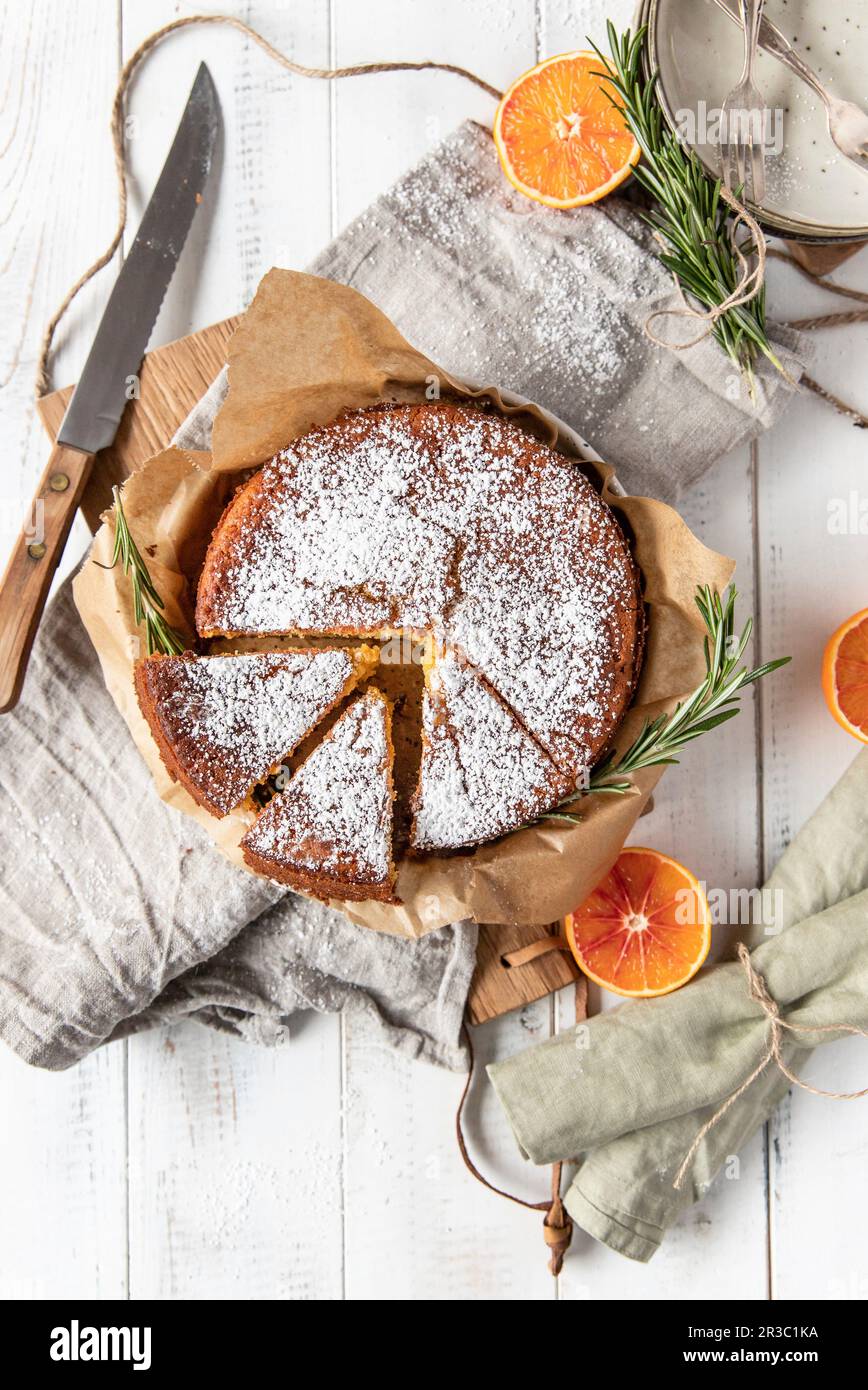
(482,774)
(223,723)
(330,832)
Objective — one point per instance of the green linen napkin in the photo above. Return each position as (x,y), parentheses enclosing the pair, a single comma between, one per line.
(630,1089)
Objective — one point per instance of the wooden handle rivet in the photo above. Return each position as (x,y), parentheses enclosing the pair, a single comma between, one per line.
(36,550)
(58,482)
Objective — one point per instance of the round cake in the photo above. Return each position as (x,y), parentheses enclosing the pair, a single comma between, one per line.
(446,519)
(449,527)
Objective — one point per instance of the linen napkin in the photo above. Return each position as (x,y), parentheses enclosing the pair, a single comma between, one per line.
(632,1088)
(552,305)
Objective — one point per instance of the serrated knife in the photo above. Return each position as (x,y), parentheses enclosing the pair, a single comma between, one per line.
(94,412)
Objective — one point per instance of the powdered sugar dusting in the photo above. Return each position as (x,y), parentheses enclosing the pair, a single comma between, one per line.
(341,540)
(585,277)
(562,656)
(335,817)
(482,775)
(230,719)
(444,519)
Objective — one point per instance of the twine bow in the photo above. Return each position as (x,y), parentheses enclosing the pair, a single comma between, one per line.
(758,991)
(749,285)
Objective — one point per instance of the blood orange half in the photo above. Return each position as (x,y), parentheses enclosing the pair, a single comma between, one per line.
(645,930)
(845,675)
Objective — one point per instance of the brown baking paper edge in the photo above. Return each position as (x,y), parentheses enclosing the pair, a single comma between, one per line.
(306,350)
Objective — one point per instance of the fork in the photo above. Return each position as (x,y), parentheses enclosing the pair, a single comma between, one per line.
(743,117)
(847,122)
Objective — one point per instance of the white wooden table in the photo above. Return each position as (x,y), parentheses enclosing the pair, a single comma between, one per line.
(183,1165)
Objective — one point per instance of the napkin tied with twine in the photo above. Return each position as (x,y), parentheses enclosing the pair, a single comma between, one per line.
(654,1095)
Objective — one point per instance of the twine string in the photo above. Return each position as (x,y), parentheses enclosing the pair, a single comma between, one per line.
(824,283)
(759,993)
(848,411)
(828,320)
(117,134)
(818,321)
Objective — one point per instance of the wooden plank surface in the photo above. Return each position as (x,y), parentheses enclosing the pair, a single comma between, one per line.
(205,1167)
(814,578)
(239,1193)
(403,1171)
(705,815)
(236,1167)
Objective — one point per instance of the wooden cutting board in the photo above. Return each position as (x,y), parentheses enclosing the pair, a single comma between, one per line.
(172,380)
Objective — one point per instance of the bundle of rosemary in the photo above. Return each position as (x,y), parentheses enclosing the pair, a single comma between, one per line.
(713,702)
(693,224)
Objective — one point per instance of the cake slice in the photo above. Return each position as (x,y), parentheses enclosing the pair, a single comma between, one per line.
(330,832)
(223,723)
(482,774)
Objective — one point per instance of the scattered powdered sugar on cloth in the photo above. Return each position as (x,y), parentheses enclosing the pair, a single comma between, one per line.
(559,281)
(552,304)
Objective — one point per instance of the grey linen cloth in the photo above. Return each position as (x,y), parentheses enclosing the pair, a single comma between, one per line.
(116,912)
(552,305)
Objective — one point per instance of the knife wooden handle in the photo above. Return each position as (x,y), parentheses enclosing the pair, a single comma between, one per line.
(37,551)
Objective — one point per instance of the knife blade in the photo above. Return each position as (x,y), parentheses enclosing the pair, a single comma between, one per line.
(98,402)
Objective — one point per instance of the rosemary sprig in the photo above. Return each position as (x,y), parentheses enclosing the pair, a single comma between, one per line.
(689,215)
(147,604)
(712,703)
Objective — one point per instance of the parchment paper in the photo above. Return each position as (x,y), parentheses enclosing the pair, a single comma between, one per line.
(307,349)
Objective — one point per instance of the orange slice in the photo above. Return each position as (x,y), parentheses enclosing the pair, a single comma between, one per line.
(559,138)
(845,675)
(645,930)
